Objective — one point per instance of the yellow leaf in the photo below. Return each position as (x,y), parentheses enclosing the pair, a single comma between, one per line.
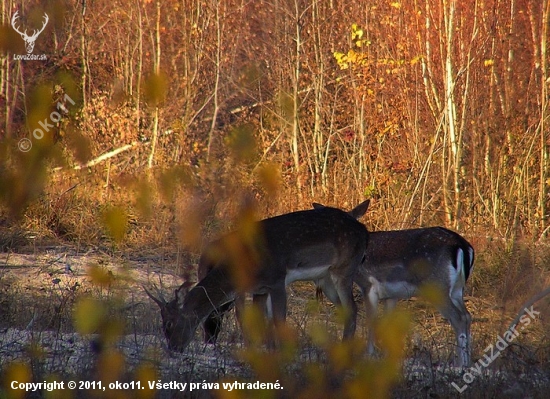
(100,276)
(416,59)
(352,56)
(115,221)
(343,354)
(319,335)
(391,330)
(242,142)
(144,199)
(20,372)
(155,88)
(144,373)
(358,34)
(270,178)
(88,315)
(432,293)
(253,325)
(110,365)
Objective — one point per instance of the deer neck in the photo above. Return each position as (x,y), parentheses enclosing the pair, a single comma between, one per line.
(212,292)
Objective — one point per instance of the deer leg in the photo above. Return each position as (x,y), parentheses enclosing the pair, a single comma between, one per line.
(213,323)
(390,304)
(344,288)
(263,302)
(464,339)
(239,309)
(455,311)
(212,327)
(327,287)
(278,302)
(370,296)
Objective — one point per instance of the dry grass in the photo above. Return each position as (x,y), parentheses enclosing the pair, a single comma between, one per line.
(39,296)
(165,220)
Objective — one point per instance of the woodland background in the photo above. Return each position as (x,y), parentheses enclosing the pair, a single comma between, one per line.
(437,108)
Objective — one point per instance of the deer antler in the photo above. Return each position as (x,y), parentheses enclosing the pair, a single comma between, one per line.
(36,33)
(13,19)
(159,301)
(29,40)
(24,34)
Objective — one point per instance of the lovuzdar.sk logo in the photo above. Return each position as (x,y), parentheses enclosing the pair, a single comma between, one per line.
(29,39)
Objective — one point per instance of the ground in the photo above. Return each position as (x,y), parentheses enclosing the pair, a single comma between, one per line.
(46,325)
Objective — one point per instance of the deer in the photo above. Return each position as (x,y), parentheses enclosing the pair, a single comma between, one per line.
(262,259)
(29,40)
(398,263)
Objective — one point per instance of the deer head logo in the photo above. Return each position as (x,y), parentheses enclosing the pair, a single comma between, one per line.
(29,40)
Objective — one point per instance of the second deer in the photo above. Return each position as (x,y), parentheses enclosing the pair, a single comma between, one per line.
(399,263)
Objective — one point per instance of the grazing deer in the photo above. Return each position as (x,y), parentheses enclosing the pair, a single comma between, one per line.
(398,263)
(325,243)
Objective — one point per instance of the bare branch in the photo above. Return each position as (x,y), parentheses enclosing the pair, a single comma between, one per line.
(102,157)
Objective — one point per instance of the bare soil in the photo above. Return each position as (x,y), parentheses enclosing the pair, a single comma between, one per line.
(39,288)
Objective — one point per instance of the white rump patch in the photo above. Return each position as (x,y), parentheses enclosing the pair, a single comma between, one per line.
(457,278)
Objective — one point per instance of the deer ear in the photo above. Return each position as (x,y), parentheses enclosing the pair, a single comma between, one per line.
(360,209)
(317,205)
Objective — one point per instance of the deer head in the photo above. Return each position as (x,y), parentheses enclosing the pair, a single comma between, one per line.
(29,40)
(177,328)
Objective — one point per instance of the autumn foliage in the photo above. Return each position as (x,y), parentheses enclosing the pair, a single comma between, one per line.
(160,119)
(438,108)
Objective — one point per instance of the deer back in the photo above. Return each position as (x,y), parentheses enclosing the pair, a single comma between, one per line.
(416,256)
